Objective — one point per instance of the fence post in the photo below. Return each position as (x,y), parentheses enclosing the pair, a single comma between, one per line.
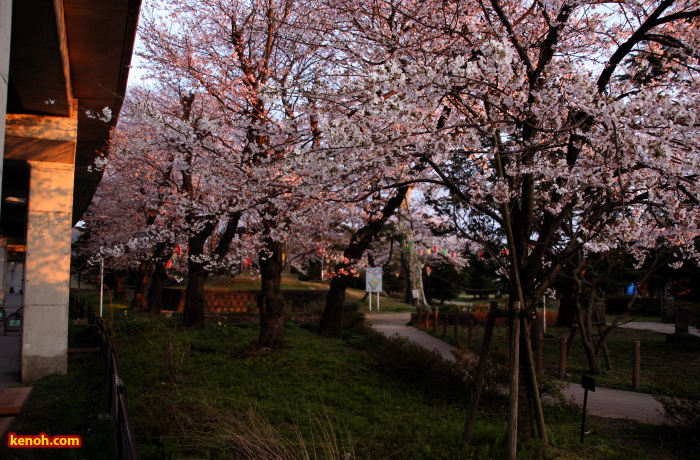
(445,320)
(562,358)
(636,362)
(435,321)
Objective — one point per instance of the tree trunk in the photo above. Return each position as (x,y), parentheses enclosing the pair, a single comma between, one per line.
(567,309)
(270,301)
(585,325)
(410,263)
(155,292)
(526,429)
(195,300)
(120,285)
(332,319)
(406,295)
(144,278)
(195,303)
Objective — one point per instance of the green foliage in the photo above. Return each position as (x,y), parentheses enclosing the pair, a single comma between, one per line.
(445,282)
(482,274)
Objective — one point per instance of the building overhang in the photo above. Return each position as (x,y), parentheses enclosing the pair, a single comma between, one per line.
(63,52)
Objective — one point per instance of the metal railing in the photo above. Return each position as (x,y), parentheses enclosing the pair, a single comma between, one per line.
(124,435)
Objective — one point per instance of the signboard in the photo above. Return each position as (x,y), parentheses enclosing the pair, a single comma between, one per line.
(373,279)
(588,383)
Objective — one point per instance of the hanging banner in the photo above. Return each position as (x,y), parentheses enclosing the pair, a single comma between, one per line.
(373,279)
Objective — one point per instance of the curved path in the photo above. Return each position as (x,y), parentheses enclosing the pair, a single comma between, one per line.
(663,328)
(604,402)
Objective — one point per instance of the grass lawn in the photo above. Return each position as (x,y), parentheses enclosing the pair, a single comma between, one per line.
(69,404)
(204,394)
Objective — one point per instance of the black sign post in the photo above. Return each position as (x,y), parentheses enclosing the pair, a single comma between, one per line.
(588,383)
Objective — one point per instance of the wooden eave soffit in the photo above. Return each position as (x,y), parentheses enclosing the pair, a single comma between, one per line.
(41,137)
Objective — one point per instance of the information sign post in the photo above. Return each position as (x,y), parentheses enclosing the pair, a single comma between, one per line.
(373,283)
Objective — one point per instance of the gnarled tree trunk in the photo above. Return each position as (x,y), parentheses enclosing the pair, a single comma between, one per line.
(270,301)
(332,318)
(139,301)
(120,285)
(155,292)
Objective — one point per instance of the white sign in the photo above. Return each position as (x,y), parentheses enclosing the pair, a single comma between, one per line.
(373,279)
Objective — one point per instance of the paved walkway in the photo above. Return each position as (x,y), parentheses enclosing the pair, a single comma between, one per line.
(603,402)
(664,328)
(9,346)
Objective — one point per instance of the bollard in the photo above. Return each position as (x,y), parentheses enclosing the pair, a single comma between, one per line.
(562,358)
(636,362)
(470,334)
(540,353)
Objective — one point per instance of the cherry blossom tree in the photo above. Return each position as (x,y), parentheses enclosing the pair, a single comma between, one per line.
(257,62)
(570,125)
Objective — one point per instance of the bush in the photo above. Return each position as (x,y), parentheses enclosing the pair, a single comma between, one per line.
(496,376)
(684,412)
(408,361)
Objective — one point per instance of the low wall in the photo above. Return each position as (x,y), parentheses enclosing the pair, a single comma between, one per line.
(239,300)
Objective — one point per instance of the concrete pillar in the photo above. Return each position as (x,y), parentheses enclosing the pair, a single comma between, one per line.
(5,29)
(47,270)
(3,266)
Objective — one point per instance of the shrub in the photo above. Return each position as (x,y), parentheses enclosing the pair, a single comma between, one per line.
(496,376)
(684,412)
(408,361)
